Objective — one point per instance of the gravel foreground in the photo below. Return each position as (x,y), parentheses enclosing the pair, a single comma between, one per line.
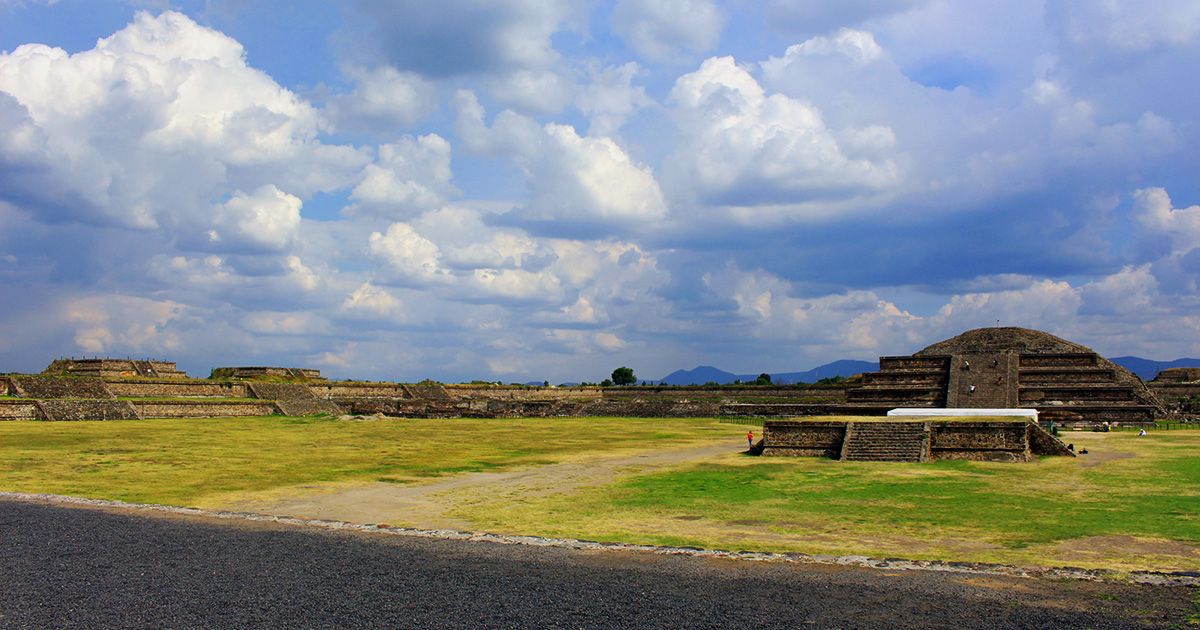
(87,567)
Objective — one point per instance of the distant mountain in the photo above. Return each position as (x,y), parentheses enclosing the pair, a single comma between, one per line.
(709,374)
(841,367)
(1147,369)
(698,376)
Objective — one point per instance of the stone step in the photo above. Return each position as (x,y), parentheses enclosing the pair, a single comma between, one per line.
(885,441)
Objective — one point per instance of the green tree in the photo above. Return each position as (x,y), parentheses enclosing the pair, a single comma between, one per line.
(763,379)
(623,376)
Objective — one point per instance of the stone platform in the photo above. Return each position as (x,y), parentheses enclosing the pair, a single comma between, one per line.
(917,440)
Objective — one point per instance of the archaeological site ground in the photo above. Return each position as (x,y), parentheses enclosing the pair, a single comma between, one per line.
(657,465)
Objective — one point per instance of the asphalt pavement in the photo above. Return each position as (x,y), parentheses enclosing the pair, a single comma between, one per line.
(77,567)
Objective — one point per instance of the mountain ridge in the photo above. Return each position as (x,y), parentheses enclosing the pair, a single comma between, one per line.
(702,374)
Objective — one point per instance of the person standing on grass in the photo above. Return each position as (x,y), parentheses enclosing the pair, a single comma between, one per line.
(750,439)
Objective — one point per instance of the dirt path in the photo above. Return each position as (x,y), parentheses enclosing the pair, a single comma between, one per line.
(426,505)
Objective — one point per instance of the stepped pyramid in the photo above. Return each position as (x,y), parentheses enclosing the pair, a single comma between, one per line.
(1007,367)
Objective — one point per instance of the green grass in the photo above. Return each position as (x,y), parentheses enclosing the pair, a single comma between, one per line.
(982,511)
(205,461)
(1133,503)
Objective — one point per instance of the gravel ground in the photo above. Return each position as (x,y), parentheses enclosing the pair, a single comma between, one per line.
(85,567)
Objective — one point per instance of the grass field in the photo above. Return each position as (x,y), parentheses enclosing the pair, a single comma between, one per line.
(191,462)
(1132,503)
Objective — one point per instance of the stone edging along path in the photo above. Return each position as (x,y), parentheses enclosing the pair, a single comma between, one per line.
(1156,578)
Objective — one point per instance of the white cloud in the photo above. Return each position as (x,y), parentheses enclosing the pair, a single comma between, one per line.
(1180,227)
(743,147)
(119,323)
(535,91)
(373,301)
(1131,291)
(152,126)
(264,221)
(870,325)
(811,18)
(410,176)
(283,323)
(611,98)
(384,100)
(574,180)
(1125,26)
(516,284)
(666,29)
(406,257)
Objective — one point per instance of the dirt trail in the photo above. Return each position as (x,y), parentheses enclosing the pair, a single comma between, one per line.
(426,505)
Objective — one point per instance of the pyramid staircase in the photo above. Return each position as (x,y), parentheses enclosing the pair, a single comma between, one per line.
(886,442)
(294,399)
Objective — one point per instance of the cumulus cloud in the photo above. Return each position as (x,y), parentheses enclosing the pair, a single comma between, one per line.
(405,256)
(283,323)
(373,302)
(263,221)
(1179,227)
(744,147)
(611,98)
(408,177)
(106,323)
(666,29)
(574,180)
(864,324)
(152,126)
(383,100)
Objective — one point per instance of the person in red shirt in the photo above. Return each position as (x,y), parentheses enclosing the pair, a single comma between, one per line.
(750,439)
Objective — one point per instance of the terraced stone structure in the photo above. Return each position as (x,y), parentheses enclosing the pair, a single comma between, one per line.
(257,372)
(1006,368)
(1000,440)
(115,368)
(1179,389)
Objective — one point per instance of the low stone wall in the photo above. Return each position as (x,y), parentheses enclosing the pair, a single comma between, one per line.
(1178,375)
(261,371)
(1067,359)
(19,410)
(44,387)
(114,368)
(357,390)
(1011,441)
(986,441)
(803,439)
(500,392)
(1067,394)
(426,390)
(204,409)
(731,395)
(914,363)
(777,410)
(178,388)
(96,409)
(652,408)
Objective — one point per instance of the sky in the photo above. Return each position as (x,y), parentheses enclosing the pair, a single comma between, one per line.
(517,190)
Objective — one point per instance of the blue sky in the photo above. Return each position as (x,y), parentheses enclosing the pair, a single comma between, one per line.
(523,190)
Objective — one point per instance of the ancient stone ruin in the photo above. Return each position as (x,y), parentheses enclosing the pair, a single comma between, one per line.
(983,439)
(1179,389)
(1006,368)
(115,368)
(259,372)
(984,368)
